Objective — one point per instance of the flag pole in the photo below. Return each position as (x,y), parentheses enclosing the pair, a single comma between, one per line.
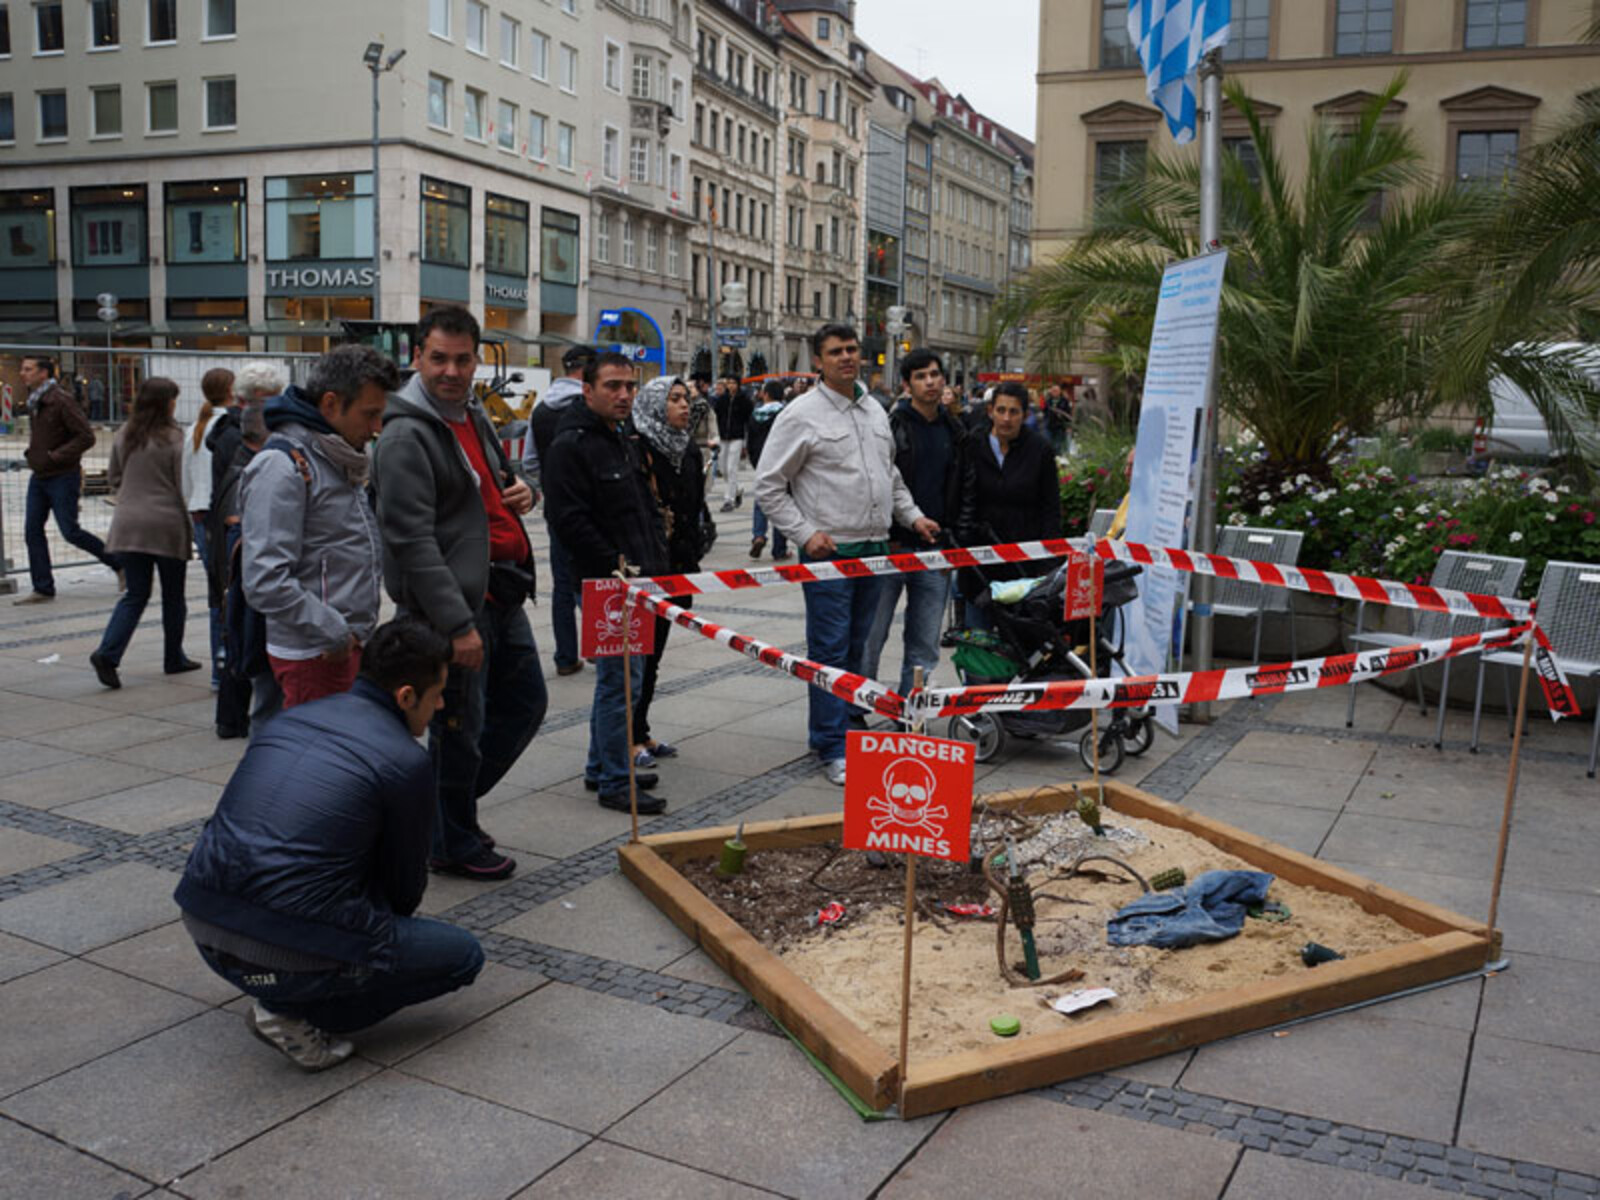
(1205,509)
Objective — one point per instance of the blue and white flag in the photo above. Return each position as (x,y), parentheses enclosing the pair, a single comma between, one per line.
(1172,36)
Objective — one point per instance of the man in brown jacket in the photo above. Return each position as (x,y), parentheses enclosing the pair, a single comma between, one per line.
(56,444)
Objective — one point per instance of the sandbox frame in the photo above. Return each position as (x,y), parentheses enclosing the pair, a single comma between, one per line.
(1450,945)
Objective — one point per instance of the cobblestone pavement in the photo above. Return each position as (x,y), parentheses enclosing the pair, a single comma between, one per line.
(601,1052)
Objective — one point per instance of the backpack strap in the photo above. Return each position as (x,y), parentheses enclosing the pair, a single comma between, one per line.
(301,462)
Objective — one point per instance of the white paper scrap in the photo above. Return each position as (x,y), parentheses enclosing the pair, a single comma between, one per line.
(50,658)
(1082,998)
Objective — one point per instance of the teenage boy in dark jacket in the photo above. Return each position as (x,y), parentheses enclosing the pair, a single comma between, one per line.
(455,554)
(301,888)
(928,444)
(598,503)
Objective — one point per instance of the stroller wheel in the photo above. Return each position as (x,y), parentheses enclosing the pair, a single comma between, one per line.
(1111,750)
(983,730)
(1140,736)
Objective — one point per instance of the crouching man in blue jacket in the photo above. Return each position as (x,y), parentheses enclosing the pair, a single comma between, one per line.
(301,889)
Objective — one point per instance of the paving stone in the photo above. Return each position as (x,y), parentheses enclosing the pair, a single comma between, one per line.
(414,1029)
(166,1104)
(1310,787)
(20,850)
(108,734)
(79,778)
(1395,1075)
(93,910)
(1447,849)
(698,967)
(76,1011)
(18,956)
(617,1173)
(150,807)
(1534,1002)
(36,1166)
(167,958)
(608,918)
(1533,1102)
(30,756)
(188,750)
(390,1136)
(570,1055)
(1298,828)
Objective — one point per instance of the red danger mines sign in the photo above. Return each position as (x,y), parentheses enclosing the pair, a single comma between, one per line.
(1086,586)
(908,794)
(602,621)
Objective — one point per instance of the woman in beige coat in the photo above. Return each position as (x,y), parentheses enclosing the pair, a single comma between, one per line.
(150,531)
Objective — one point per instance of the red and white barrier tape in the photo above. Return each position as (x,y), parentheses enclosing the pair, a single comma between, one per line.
(1303,579)
(1236,682)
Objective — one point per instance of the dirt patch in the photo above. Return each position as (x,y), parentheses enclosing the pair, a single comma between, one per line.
(855,963)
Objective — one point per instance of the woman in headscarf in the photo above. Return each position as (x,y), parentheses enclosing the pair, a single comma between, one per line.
(675,472)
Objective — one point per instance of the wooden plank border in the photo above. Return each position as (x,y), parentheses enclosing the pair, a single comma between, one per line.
(1451,945)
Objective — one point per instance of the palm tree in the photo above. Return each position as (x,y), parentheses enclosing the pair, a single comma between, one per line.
(1328,278)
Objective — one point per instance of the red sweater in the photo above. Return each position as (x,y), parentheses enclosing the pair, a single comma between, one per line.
(508,542)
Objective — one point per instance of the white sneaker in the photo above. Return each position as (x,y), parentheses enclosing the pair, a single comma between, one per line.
(834,770)
(309,1048)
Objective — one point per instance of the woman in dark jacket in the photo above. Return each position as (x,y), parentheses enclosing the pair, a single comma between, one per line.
(1011,490)
(675,473)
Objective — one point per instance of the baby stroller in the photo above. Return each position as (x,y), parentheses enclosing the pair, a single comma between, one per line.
(1032,643)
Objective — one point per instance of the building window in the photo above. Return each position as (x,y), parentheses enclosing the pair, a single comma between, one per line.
(8,120)
(222,21)
(1250,36)
(674,256)
(505,134)
(1114,164)
(510,40)
(641,77)
(5,30)
(47,33)
(446,223)
(1496,23)
(161,108)
(1116,46)
(822,29)
(652,248)
(52,116)
(539,58)
(1244,150)
(505,236)
(558,252)
(602,238)
(1364,27)
(438,102)
(319,216)
(569,68)
(222,103)
(611,153)
(1485,157)
(105,111)
(472,127)
(108,226)
(627,240)
(537,147)
(611,67)
(566,142)
(439,18)
(105,27)
(570,7)
(205,221)
(675,175)
(477,28)
(639,160)
(678,106)
(161,21)
(29,219)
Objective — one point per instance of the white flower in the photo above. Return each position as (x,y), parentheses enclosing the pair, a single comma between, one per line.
(1302,479)
(1399,540)
(1236,518)
(1552,498)
(1399,514)
(1421,510)
(1266,510)
(1563,489)
(1537,484)
(1516,535)
(1549,516)
(1233,489)
(1345,512)
(1385,473)
(1421,526)
(1286,488)
(1263,497)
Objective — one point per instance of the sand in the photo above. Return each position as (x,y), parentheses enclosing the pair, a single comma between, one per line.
(957,987)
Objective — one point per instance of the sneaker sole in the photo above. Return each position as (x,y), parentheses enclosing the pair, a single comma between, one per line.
(462,871)
(308,1068)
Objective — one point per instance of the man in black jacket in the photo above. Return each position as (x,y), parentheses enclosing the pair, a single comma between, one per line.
(598,503)
(733,407)
(301,888)
(927,451)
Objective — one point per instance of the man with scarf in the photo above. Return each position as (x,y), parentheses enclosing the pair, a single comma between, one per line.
(313,558)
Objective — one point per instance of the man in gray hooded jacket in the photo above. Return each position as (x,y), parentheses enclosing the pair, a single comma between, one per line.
(313,559)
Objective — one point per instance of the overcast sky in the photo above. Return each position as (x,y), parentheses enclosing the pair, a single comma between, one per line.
(988,50)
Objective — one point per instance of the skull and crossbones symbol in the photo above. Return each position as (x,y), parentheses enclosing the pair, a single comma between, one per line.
(908,785)
(613,616)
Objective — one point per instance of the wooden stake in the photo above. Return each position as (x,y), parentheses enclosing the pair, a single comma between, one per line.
(1094,713)
(1511,782)
(911,914)
(627,693)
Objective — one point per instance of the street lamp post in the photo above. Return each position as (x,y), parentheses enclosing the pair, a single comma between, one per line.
(378,65)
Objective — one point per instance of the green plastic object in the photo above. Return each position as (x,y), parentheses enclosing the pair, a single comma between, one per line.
(979,656)
(1005,1025)
(1172,877)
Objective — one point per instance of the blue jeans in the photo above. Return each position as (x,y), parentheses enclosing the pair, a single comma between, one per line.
(489,717)
(926,593)
(566,597)
(430,959)
(758,528)
(609,741)
(141,571)
(59,495)
(200,539)
(839,616)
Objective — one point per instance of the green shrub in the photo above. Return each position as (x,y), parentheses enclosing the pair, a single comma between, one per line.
(1093,476)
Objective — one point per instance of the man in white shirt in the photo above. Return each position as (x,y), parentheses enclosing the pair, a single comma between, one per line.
(827,480)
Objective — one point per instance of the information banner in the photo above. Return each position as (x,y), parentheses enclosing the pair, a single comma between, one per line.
(604,602)
(905,793)
(1165,468)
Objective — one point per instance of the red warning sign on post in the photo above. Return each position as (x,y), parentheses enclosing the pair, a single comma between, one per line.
(603,607)
(905,793)
(1086,586)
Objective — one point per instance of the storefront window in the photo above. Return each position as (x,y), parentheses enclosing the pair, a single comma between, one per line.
(108,226)
(27,229)
(300,323)
(205,222)
(319,216)
(446,223)
(505,236)
(883,255)
(559,246)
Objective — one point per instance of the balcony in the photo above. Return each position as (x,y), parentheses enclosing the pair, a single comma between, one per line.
(727,87)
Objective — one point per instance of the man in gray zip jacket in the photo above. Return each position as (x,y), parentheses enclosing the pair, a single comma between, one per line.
(313,558)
